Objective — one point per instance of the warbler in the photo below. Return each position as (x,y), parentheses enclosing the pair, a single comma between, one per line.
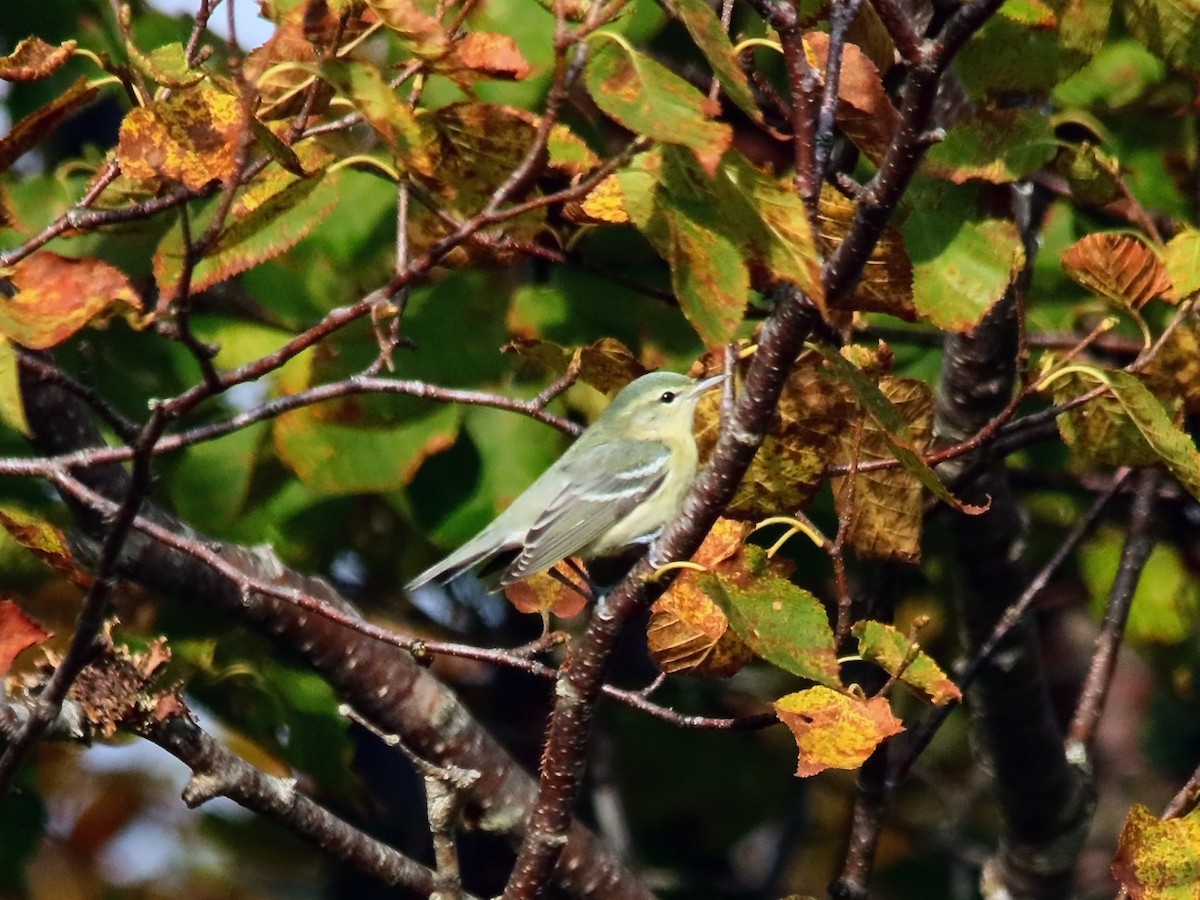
(614,489)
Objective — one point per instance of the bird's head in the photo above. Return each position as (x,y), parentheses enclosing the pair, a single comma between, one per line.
(658,406)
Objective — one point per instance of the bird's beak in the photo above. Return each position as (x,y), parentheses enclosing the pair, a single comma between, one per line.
(705,385)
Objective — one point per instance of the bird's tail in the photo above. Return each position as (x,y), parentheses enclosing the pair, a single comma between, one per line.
(475,551)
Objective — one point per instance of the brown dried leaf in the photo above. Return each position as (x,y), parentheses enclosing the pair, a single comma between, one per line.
(191,137)
(33,59)
(57,296)
(18,633)
(864,112)
(1119,267)
(114,687)
(42,121)
(288,55)
(789,467)
(422,33)
(490,54)
(886,284)
(834,730)
(606,364)
(688,633)
(885,507)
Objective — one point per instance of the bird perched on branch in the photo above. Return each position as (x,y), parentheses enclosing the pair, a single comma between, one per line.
(613,490)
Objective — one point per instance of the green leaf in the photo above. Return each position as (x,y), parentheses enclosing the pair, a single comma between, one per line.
(710,38)
(895,654)
(1100,433)
(1172,445)
(1182,260)
(784,624)
(1166,603)
(1170,29)
(649,99)
(1018,53)
(389,117)
(710,229)
(998,146)
(212,480)
(12,409)
(961,265)
(1118,75)
(334,459)
(260,228)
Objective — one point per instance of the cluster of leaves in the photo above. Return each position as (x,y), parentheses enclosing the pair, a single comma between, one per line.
(242,229)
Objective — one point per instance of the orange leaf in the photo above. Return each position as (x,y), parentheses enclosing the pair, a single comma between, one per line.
(57,296)
(1119,267)
(493,55)
(835,730)
(34,59)
(18,632)
(190,137)
(688,632)
(864,111)
(544,594)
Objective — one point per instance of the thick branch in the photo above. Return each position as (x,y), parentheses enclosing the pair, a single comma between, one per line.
(381,683)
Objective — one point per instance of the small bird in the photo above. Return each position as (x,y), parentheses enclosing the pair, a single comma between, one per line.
(615,488)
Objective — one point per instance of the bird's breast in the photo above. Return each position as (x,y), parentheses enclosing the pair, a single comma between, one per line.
(655,511)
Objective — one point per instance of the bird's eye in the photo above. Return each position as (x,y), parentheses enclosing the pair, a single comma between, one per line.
(667,396)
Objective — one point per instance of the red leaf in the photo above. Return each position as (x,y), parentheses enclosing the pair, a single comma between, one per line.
(18,632)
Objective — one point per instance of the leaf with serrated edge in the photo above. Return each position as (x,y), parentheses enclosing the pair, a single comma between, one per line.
(864,111)
(894,427)
(688,633)
(884,510)
(887,647)
(785,625)
(648,98)
(1172,445)
(886,284)
(834,730)
(43,120)
(254,234)
(1120,267)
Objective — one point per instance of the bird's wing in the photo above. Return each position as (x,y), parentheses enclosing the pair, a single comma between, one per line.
(596,495)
